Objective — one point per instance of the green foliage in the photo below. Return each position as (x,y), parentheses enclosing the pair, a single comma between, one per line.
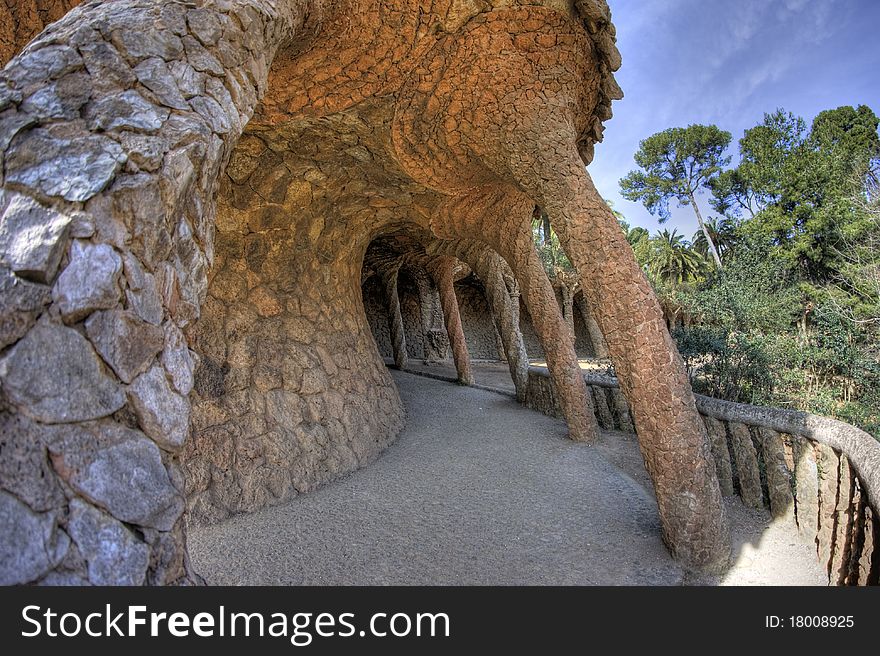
(547,245)
(797,185)
(672,260)
(675,164)
(723,233)
(793,318)
(726,365)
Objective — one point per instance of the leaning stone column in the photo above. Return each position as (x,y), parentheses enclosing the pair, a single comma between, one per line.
(556,338)
(600,347)
(507,320)
(492,271)
(671,433)
(468,217)
(442,272)
(395,318)
(567,306)
(499,342)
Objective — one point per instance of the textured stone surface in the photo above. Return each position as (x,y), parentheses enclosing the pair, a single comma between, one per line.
(844,521)
(89,162)
(721,454)
(114,555)
(779,477)
(177,359)
(125,111)
(31,545)
(621,410)
(154,74)
(120,470)
(747,471)
(56,377)
(600,402)
(126,343)
(162,413)
(807,489)
(143,292)
(89,282)
(32,238)
(24,19)
(20,304)
(24,466)
(828,466)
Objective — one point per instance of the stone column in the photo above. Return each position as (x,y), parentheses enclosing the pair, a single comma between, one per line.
(436,341)
(600,348)
(556,338)
(567,306)
(505,310)
(466,218)
(499,343)
(671,433)
(442,272)
(395,318)
(494,273)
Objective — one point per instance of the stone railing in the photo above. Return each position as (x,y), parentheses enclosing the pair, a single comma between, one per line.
(821,473)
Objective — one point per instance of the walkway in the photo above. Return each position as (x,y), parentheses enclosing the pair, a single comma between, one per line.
(478,490)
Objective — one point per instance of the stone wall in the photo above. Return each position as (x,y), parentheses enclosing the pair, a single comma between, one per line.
(289,393)
(819,473)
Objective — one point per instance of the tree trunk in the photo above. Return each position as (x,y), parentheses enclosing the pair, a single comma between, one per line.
(712,249)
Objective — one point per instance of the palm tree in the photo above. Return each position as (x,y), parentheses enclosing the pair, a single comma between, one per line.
(547,244)
(671,259)
(723,234)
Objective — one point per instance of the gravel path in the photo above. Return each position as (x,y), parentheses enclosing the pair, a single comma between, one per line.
(478,490)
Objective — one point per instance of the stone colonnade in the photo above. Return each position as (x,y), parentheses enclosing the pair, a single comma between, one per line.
(187,194)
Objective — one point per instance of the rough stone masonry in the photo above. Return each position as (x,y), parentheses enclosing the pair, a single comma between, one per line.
(189,189)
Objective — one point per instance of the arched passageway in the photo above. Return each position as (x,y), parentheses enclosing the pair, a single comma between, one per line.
(192,308)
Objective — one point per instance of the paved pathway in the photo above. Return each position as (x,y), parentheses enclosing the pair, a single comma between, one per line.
(477,490)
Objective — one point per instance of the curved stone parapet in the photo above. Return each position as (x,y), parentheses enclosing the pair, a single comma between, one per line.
(821,473)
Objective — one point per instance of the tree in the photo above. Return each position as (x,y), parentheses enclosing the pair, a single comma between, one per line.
(796,186)
(723,233)
(676,164)
(733,194)
(547,245)
(671,259)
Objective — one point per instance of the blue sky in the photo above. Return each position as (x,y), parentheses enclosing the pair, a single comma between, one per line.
(728,62)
